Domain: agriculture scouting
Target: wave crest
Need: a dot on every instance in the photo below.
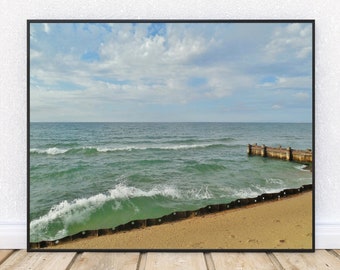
(49, 151)
(67, 214)
(106, 149)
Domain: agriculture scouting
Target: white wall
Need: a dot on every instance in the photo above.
(13, 16)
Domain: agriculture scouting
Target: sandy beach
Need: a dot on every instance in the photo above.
(283, 224)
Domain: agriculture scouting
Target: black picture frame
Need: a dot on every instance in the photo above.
(246, 202)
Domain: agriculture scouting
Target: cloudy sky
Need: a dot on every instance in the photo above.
(220, 72)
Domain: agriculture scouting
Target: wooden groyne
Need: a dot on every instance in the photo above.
(302, 156)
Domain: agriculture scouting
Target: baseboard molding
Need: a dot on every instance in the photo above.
(13, 236)
(327, 236)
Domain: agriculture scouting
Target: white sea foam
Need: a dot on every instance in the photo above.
(126, 148)
(245, 193)
(301, 167)
(200, 194)
(248, 192)
(185, 146)
(274, 181)
(60, 234)
(262, 189)
(49, 151)
(106, 149)
(153, 147)
(121, 191)
(305, 180)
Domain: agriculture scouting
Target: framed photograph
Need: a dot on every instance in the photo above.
(170, 135)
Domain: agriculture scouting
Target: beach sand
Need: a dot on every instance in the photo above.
(283, 224)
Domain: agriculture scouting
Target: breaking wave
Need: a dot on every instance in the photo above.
(68, 214)
(106, 149)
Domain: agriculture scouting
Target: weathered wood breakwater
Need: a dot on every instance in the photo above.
(302, 156)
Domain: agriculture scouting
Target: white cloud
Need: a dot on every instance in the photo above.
(283, 83)
(276, 107)
(294, 82)
(159, 68)
(34, 54)
(293, 39)
(304, 52)
(301, 95)
(181, 64)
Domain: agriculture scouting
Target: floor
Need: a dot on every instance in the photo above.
(20, 259)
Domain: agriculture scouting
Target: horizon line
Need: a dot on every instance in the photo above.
(259, 122)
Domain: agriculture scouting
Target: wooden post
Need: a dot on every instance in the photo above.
(249, 150)
(264, 151)
(289, 154)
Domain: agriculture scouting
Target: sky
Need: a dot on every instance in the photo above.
(171, 72)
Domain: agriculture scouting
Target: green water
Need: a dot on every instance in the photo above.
(100, 175)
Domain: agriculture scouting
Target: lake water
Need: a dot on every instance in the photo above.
(100, 175)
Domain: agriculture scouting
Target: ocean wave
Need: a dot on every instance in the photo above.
(227, 139)
(202, 193)
(231, 192)
(115, 149)
(188, 146)
(274, 181)
(197, 140)
(156, 147)
(78, 211)
(204, 167)
(49, 151)
(302, 167)
(107, 149)
(248, 192)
